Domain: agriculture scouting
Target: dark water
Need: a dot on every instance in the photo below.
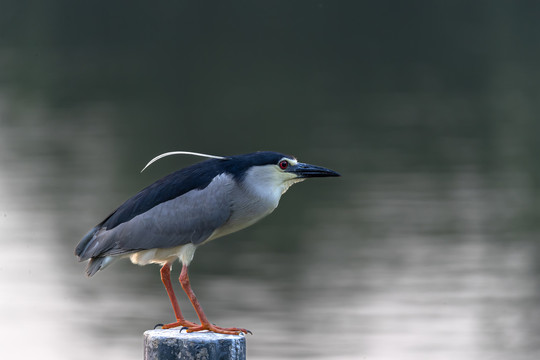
(426, 248)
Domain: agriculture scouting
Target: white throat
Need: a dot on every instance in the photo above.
(268, 183)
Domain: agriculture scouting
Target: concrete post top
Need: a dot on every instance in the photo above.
(176, 333)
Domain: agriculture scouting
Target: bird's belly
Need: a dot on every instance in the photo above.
(164, 256)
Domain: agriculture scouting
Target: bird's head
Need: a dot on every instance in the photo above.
(274, 171)
(263, 171)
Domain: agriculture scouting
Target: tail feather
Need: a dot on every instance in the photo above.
(85, 242)
(98, 263)
(86, 250)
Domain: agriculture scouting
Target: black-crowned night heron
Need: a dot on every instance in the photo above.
(169, 219)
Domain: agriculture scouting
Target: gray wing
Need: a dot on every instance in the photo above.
(189, 218)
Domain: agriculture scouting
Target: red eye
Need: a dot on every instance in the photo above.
(283, 164)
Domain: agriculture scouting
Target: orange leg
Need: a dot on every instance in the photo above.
(166, 279)
(205, 324)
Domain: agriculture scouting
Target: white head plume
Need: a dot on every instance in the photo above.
(181, 153)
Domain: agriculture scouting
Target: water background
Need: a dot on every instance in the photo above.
(426, 248)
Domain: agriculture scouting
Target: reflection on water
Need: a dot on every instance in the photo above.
(380, 266)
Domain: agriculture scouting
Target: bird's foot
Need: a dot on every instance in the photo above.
(180, 323)
(218, 329)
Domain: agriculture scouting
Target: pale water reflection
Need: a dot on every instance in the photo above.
(376, 266)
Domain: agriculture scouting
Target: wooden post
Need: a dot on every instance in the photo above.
(168, 344)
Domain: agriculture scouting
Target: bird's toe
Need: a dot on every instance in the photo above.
(219, 329)
(180, 323)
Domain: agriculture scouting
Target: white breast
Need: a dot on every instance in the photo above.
(256, 196)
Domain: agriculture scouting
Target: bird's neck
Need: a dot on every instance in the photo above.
(265, 184)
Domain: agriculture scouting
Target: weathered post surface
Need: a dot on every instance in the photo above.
(168, 344)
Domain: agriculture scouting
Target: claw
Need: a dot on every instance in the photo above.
(160, 325)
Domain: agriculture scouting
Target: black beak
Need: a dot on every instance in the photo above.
(308, 171)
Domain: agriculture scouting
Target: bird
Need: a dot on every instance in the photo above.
(169, 219)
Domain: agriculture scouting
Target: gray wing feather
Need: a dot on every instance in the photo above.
(189, 218)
